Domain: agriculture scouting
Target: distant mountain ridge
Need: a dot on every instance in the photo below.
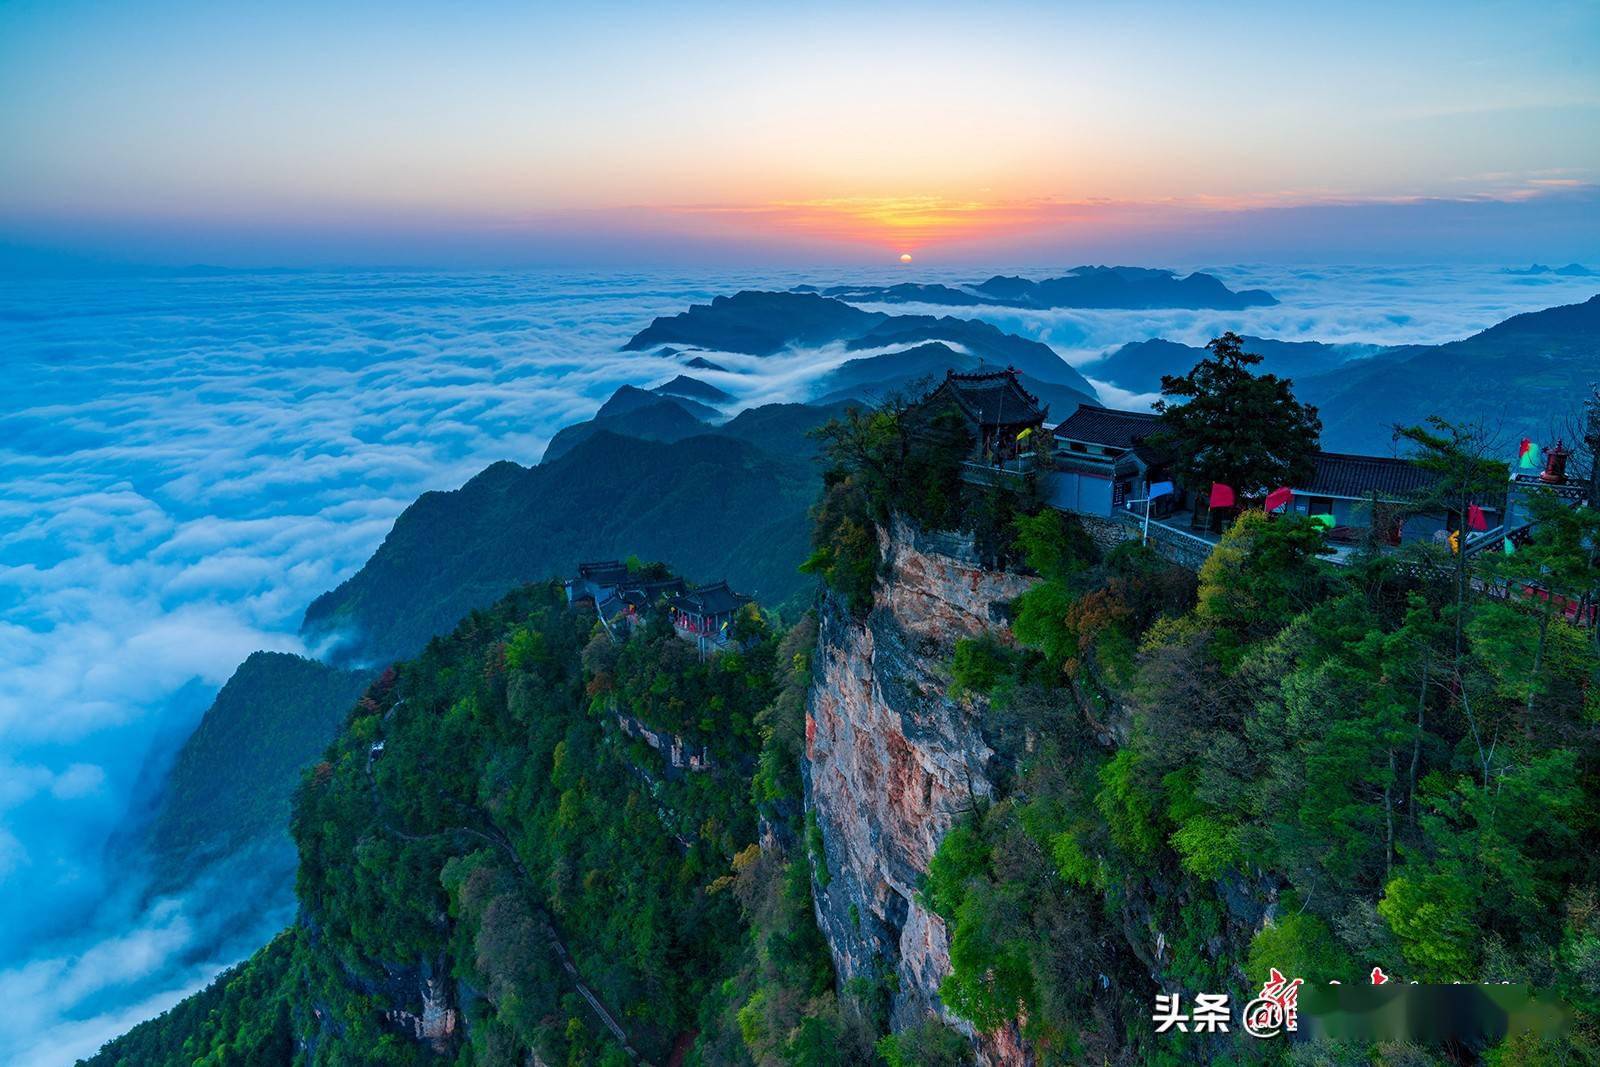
(757, 323)
(874, 377)
(766, 323)
(1522, 377)
(662, 419)
(1571, 270)
(693, 389)
(1138, 365)
(1081, 287)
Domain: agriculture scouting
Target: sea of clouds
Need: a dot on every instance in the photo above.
(188, 458)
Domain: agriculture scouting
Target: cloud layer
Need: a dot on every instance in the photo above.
(187, 459)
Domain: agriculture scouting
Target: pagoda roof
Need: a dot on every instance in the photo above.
(604, 572)
(996, 398)
(714, 599)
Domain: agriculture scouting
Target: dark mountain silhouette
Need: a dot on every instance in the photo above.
(1139, 365)
(1081, 287)
(767, 323)
(693, 389)
(758, 324)
(629, 399)
(910, 372)
(1571, 270)
(664, 419)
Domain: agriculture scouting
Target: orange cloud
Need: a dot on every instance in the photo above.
(911, 223)
(899, 223)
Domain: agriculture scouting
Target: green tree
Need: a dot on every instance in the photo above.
(1262, 573)
(903, 457)
(844, 537)
(1560, 563)
(928, 1044)
(1223, 423)
(1457, 455)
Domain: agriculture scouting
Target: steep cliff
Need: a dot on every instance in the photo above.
(892, 761)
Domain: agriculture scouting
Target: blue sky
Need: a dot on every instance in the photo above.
(700, 133)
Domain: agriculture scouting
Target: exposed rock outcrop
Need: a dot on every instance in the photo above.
(892, 761)
(434, 1021)
(680, 754)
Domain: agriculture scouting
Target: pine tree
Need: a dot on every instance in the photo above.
(1457, 454)
(1224, 423)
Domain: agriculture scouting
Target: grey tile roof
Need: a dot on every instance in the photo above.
(1108, 426)
(714, 599)
(1339, 474)
(1343, 474)
(604, 572)
(995, 399)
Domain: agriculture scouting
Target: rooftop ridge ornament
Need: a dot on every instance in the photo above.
(1008, 373)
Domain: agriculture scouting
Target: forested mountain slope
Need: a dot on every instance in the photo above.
(1524, 377)
(1015, 776)
(484, 817)
(728, 503)
(230, 786)
(1046, 776)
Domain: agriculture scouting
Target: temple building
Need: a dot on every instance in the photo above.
(1105, 464)
(1002, 417)
(619, 595)
(596, 580)
(705, 613)
(1103, 460)
(1365, 494)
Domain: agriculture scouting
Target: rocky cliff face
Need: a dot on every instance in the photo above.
(892, 761)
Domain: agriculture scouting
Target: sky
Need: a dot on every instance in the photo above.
(524, 134)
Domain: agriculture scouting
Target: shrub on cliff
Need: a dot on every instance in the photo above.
(928, 1044)
(883, 461)
(845, 551)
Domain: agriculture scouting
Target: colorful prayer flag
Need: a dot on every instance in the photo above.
(1324, 521)
(1510, 549)
(1455, 540)
(1279, 497)
(1221, 495)
(1160, 489)
(1530, 455)
(1475, 519)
